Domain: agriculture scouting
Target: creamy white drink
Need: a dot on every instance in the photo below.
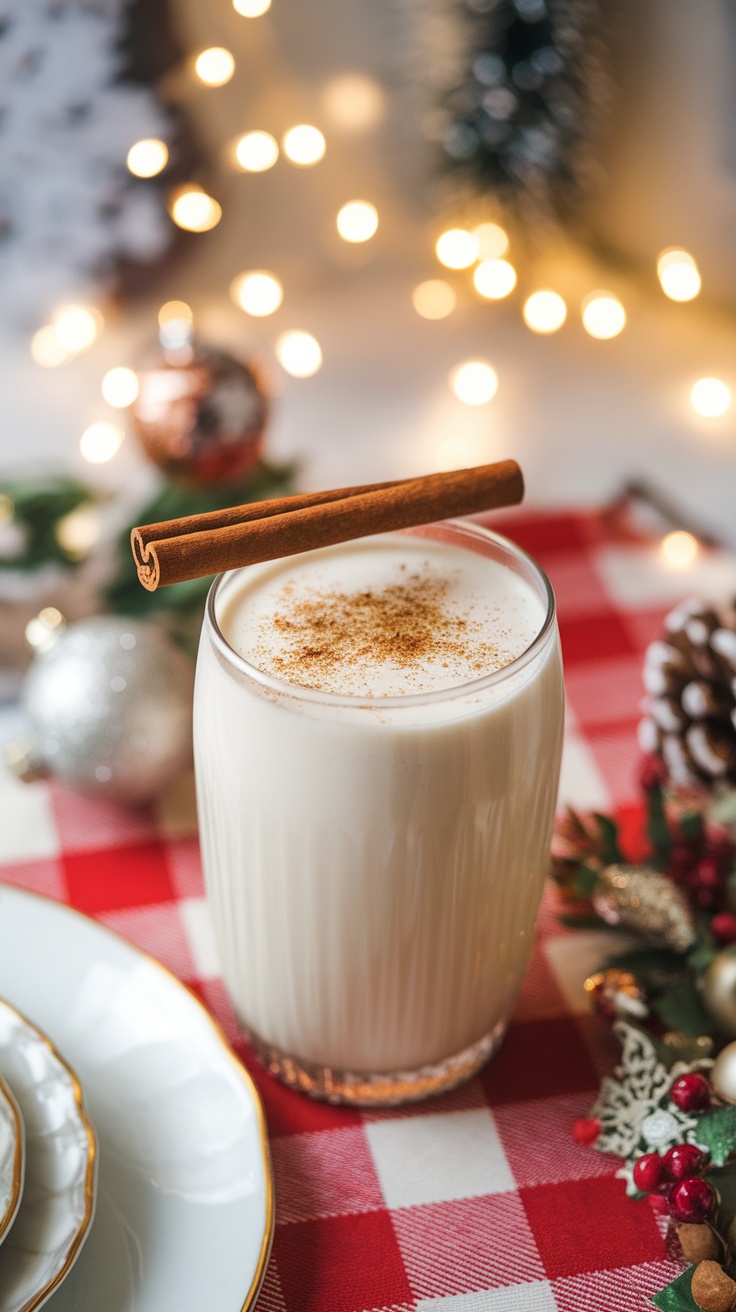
(377, 742)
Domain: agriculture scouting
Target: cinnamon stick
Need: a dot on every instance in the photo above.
(200, 545)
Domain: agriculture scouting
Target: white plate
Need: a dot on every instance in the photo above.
(184, 1206)
(57, 1206)
(12, 1158)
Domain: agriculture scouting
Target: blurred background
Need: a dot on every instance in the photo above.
(247, 246)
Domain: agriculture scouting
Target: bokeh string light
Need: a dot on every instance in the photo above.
(76, 327)
(257, 292)
(303, 145)
(193, 210)
(678, 275)
(679, 549)
(148, 157)
(100, 442)
(603, 315)
(47, 350)
(215, 66)
(475, 382)
(120, 387)
(492, 239)
(710, 397)
(299, 353)
(434, 299)
(544, 312)
(494, 279)
(251, 8)
(357, 221)
(178, 310)
(256, 151)
(354, 102)
(456, 248)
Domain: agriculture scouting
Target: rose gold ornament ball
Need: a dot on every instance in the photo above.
(200, 414)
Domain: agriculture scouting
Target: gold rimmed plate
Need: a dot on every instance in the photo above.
(55, 1212)
(184, 1210)
(12, 1158)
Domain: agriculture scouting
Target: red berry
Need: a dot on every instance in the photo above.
(586, 1130)
(691, 1200)
(683, 1160)
(723, 926)
(648, 1173)
(691, 1093)
(653, 772)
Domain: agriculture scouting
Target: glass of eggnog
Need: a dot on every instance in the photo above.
(377, 732)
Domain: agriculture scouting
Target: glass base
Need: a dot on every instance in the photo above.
(361, 1089)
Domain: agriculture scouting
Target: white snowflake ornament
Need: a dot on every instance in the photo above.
(635, 1110)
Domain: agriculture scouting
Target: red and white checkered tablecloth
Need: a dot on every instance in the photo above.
(479, 1201)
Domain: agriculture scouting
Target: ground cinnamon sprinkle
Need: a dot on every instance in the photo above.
(407, 625)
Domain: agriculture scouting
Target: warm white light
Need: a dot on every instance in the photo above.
(474, 382)
(47, 350)
(603, 315)
(120, 387)
(299, 354)
(493, 241)
(257, 293)
(42, 631)
(148, 157)
(79, 531)
(679, 549)
(100, 442)
(494, 279)
(710, 397)
(354, 102)
(215, 66)
(76, 326)
(256, 152)
(434, 299)
(544, 312)
(175, 310)
(304, 145)
(678, 274)
(457, 249)
(357, 221)
(251, 8)
(192, 209)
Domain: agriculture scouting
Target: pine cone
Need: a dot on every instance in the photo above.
(690, 707)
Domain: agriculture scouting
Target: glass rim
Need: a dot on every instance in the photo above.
(301, 693)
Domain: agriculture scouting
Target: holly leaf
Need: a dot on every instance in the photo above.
(691, 826)
(705, 945)
(658, 830)
(680, 1007)
(678, 1296)
(717, 1132)
(610, 852)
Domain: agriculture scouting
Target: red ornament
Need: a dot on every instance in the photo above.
(691, 1093)
(682, 1161)
(586, 1130)
(653, 773)
(723, 926)
(648, 1173)
(691, 1200)
(200, 415)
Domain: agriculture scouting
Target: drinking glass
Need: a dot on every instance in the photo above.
(374, 865)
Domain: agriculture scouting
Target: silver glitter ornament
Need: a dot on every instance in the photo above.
(719, 990)
(723, 1074)
(646, 901)
(110, 708)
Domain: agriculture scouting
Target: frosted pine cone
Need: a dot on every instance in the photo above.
(690, 707)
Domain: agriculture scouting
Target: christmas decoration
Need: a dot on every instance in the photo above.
(712, 1289)
(690, 718)
(109, 705)
(32, 520)
(641, 898)
(523, 91)
(70, 209)
(719, 990)
(635, 1110)
(200, 415)
(723, 1075)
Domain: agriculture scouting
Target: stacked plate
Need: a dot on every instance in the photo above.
(143, 1165)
